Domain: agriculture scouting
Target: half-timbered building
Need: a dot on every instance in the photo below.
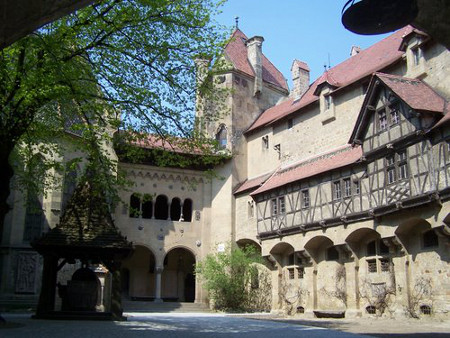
(342, 183)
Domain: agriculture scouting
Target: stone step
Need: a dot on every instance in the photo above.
(149, 306)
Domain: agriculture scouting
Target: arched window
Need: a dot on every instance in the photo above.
(70, 182)
(135, 205)
(161, 207)
(221, 137)
(147, 206)
(175, 209)
(34, 217)
(187, 210)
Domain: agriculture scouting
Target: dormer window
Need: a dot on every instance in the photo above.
(327, 102)
(416, 56)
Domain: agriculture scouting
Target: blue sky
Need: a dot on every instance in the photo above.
(308, 30)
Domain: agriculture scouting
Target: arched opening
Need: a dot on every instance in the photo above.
(175, 209)
(161, 207)
(70, 182)
(178, 279)
(147, 206)
(135, 205)
(187, 210)
(221, 136)
(141, 274)
(244, 242)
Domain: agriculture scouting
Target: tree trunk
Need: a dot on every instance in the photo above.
(6, 174)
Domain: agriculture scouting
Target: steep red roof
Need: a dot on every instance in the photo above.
(236, 52)
(416, 93)
(335, 159)
(366, 62)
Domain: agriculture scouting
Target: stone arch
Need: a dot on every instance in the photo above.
(317, 246)
(141, 266)
(243, 242)
(282, 252)
(410, 231)
(358, 239)
(221, 136)
(178, 278)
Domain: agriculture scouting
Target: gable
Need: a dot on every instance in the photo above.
(393, 109)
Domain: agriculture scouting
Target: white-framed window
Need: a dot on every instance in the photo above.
(337, 193)
(347, 187)
(396, 167)
(278, 205)
(382, 120)
(305, 199)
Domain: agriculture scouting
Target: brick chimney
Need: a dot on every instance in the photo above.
(300, 79)
(254, 54)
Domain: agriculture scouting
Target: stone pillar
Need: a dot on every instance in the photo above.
(158, 277)
(47, 296)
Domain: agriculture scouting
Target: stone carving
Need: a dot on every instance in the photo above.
(27, 265)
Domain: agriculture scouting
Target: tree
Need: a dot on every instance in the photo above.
(115, 64)
(230, 277)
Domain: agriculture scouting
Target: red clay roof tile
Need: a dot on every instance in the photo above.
(236, 52)
(335, 159)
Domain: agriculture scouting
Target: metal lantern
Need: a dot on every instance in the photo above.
(369, 17)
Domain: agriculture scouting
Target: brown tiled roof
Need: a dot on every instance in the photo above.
(365, 63)
(252, 183)
(446, 117)
(335, 159)
(86, 227)
(236, 53)
(414, 92)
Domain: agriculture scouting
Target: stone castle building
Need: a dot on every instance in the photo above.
(342, 183)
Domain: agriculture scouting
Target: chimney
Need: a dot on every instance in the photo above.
(254, 54)
(300, 79)
(355, 50)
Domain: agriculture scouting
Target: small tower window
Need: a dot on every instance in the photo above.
(221, 137)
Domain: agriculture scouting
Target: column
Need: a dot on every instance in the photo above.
(158, 275)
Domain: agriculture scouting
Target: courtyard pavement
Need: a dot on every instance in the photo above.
(186, 325)
(163, 325)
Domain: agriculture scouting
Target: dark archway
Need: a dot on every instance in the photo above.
(141, 274)
(187, 210)
(175, 209)
(178, 278)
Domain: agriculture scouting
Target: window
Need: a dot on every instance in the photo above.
(161, 207)
(356, 187)
(372, 310)
(291, 272)
(402, 165)
(221, 137)
(382, 120)
(135, 206)
(372, 265)
(396, 167)
(187, 210)
(274, 207)
(347, 187)
(290, 123)
(305, 199)
(251, 209)
(282, 205)
(416, 56)
(337, 190)
(372, 248)
(277, 148)
(394, 113)
(425, 309)
(430, 239)
(147, 206)
(385, 264)
(175, 209)
(327, 102)
(390, 168)
(278, 206)
(34, 218)
(301, 272)
(265, 142)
